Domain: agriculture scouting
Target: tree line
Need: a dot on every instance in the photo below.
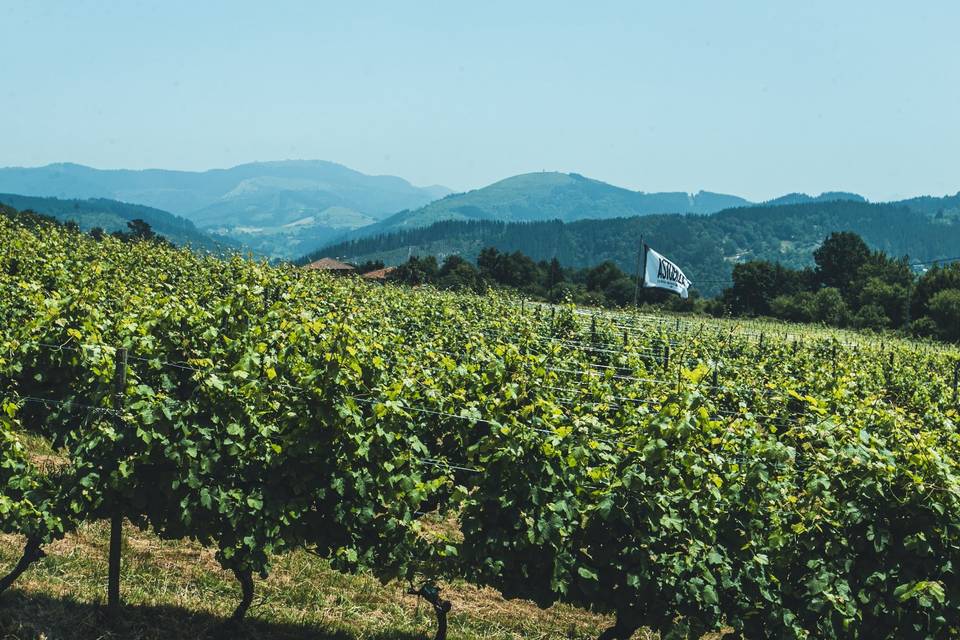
(604, 285)
(849, 286)
(706, 246)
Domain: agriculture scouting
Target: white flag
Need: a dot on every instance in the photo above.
(663, 274)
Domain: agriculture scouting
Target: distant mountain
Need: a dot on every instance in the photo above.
(706, 247)
(550, 196)
(802, 198)
(112, 215)
(290, 208)
(255, 203)
(943, 209)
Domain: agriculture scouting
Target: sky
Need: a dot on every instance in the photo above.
(754, 98)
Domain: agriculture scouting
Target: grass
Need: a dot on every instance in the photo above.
(176, 590)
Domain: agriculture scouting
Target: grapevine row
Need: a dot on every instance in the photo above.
(684, 480)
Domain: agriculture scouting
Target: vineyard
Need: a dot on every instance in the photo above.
(680, 476)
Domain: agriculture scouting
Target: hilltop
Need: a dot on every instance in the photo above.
(543, 196)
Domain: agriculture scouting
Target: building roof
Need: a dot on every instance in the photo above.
(329, 264)
(379, 274)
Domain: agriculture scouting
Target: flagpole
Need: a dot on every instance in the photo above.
(636, 288)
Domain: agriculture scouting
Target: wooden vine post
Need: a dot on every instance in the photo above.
(116, 519)
(956, 379)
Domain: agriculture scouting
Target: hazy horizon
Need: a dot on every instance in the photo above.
(749, 99)
(455, 191)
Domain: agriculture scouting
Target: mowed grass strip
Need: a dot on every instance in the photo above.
(177, 591)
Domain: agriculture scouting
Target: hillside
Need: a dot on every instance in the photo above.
(706, 246)
(112, 215)
(276, 208)
(551, 196)
(274, 441)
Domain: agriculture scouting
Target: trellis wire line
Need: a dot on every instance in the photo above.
(67, 403)
(784, 421)
(470, 419)
(286, 385)
(613, 317)
(586, 346)
(763, 393)
(796, 462)
(430, 461)
(569, 402)
(596, 365)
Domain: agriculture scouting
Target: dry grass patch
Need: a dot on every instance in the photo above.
(176, 590)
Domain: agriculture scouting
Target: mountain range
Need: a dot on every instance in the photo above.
(568, 197)
(278, 209)
(287, 208)
(294, 208)
(551, 196)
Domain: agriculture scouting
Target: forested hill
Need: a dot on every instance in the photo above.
(705, 246)
(111, 215)
(547, 195)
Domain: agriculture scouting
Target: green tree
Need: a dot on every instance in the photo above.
(140, 230)
(370, 265)
(871, 316)
(945, 311)
(417, 270)
(932, 282)
(798, 307)
(620, 292)
(512, 270)
(756, 284)
(564, 292)
(601, 276)
(888, 298)
(554, 274)
(829, 307)
(457, 273)
(839, 260)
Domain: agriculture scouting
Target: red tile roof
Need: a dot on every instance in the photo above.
(329, 264)
(379, 274)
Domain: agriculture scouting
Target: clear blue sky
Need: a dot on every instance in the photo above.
(755, 98)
